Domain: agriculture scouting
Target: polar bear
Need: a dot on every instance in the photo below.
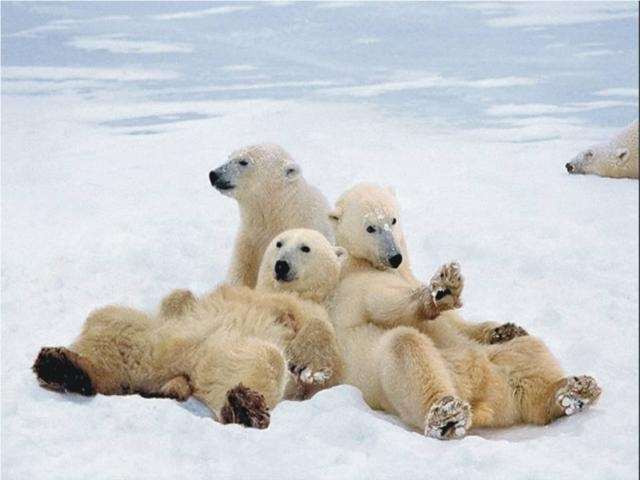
(273, 197)
(238, 350)
(430, 368)
(617, 158)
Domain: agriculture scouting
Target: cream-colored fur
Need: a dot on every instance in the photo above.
(232, 336)
(617, 158)
(273, 197)
(439, 375)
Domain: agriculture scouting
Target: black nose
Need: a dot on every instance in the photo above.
(213, 177)
(395, 261)
(282, 270)
(569, 167)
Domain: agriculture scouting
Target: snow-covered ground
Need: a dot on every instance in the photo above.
(106, 198)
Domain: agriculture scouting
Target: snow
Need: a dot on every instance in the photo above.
(91, 216)
(469, 111)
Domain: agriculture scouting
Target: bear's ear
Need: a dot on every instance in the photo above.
(292, 171)
(622, 155)
(341, 253)
(335, 215)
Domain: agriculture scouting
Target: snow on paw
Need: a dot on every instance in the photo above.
(577, 393)
(59, 369)
(245, 407)
(506, 332)
(446, 287)
(448, 418)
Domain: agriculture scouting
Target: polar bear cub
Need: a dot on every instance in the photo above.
(238, 350)
(273, 197)
(431, 369)
(617, 159)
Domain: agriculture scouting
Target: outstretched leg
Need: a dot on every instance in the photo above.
(240, 379)
(418, 385)
(542, 391)
(111, 356)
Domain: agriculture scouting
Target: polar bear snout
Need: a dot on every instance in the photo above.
(569, 167)
(282, 270)
(395, 260)
(219, 182)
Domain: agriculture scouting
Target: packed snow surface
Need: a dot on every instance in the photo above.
(106, 199)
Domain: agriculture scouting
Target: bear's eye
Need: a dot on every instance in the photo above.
(305, 249)
(279, 245)
(371, 229)
(244, 163)
(394, 221)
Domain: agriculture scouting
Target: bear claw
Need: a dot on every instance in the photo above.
(448, 418)
(577, 393)
(58, 369)
(245, 407)
(506, 332)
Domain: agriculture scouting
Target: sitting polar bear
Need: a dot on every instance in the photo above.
(231, 349)
(436, 372)
(273, 197)
(616, 159)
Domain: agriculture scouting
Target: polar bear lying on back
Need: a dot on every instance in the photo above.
(236, 349)
(273, 197)
(616, 159)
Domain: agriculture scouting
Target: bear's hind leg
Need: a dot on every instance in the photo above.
(419, 386)
(240, 379)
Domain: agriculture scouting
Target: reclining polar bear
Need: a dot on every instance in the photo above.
(233, 349)
(441, 376)
(617, 159)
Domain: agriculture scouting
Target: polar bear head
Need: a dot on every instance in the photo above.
(302, 261)
(598, 158)
(255, 173)
(366, 222)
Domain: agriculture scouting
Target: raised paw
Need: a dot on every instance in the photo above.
(246, 407)
(506, 332)
(60, 369)
(448, 418)
(444, 289)
(577, 393)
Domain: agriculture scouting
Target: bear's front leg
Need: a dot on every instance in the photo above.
(314, 359)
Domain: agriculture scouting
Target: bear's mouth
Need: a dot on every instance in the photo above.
(224, 186)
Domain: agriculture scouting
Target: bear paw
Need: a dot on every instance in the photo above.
(58, 368)
(445, 288)
(246, 407)
(309, 381)
(506, 332)
(448, 418)
(577, 393)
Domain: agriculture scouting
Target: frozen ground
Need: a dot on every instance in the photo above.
(105, 198)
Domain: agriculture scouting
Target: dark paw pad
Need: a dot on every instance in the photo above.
(506, 332)
(246, 407)
(58, 369)
(440, 294)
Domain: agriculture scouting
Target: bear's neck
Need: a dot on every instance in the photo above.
(266, 210)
